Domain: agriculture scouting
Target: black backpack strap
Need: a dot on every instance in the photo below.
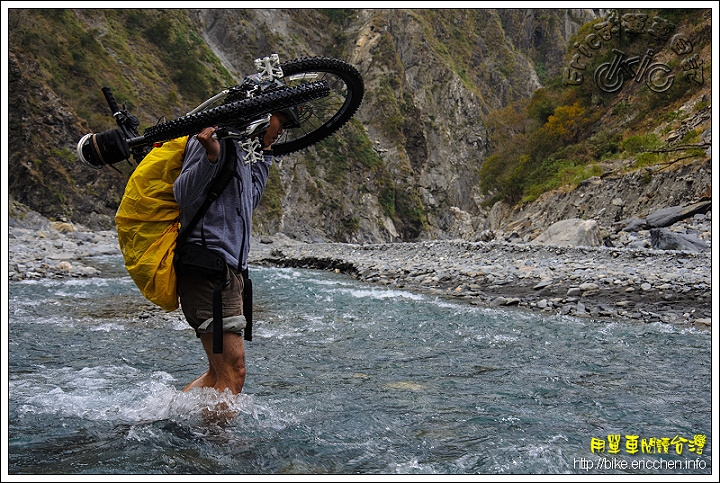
(218, 318)
(247, 304)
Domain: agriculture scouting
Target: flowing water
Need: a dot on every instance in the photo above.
(348, 378)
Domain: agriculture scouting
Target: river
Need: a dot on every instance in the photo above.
(348, 378)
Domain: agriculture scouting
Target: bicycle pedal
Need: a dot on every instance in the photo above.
(253, 151)
(269, 67)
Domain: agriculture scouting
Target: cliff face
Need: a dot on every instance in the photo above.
(432, 77)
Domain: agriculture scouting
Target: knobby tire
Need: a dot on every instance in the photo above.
(238, 112)
(320, 118)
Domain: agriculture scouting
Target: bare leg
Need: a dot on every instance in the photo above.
(226, 370)
(229, 366)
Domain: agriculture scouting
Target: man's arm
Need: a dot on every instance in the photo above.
(196, 174)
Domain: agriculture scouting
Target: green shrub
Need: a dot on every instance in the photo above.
(640, 143)
(621, 108)
(542, 105)
(692, 136)
(604, 144)
(270, 207)
(647, 159)
(386, 196)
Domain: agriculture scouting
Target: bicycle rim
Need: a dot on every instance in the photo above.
(321, 117)
(236, 113)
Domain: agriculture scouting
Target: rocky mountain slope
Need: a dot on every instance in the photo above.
(432, 79)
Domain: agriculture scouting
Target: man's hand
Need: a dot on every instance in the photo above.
(211, 145)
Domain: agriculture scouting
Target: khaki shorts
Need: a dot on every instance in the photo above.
(196, 300)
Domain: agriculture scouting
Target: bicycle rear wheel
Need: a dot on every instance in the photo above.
(236, 113)
(321, 117)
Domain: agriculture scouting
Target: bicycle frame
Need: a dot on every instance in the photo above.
(267, 77)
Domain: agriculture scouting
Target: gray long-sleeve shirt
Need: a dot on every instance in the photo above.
(227, 224)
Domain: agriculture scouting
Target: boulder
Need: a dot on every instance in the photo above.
(571, 232)
(667, 216)
(664, 239)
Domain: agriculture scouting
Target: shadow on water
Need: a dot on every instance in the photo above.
(344, 378)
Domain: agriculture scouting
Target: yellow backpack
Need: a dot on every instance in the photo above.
(147, 223)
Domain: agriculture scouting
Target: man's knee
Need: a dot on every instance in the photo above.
(240, 371)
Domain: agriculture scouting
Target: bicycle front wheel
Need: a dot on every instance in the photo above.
(236, 113)
(321, 117)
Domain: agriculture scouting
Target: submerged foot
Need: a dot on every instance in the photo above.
(219, 413)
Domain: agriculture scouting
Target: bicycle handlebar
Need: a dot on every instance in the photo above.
(114, 145)
(111, 101)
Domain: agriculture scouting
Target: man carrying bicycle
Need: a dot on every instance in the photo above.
(225, 230)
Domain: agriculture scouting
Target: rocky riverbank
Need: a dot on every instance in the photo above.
(599, 282)
(619, 282)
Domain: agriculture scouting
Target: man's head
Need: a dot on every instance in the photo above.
(278, 121)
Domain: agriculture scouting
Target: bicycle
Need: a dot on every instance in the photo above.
(322, 92)
(610, 76)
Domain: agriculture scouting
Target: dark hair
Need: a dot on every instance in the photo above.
(292, 117)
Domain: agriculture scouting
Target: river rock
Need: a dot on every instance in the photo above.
(632, 224)
(571, 232)
(664, 239)
(672, 214)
